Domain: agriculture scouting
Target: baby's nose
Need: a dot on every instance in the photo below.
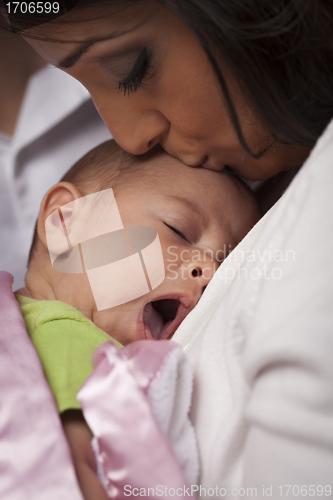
(201, 273)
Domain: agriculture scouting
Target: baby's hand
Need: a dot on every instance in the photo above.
(79, 438)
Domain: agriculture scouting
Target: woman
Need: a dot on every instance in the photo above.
(246, 85)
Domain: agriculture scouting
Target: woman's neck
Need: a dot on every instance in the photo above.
(18, 61)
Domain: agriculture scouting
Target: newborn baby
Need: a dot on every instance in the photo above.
(199, 215)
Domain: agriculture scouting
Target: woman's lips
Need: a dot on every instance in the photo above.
(208, 164)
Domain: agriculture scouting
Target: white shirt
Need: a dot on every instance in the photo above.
(261, 345)
(58, 124)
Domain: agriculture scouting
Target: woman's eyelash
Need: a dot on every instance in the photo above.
(139, 71)
(177, 232)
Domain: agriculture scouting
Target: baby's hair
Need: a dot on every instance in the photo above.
(109, 166)
(102, 167)
(105, 166)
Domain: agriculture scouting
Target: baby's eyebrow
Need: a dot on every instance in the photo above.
(193, 207)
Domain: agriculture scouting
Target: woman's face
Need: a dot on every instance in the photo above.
(152, 83)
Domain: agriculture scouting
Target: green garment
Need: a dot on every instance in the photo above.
(65, 341)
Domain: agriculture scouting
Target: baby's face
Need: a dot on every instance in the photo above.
(199, 215)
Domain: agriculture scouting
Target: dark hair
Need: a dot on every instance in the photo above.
(280, 52)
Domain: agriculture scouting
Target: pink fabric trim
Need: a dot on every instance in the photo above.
(134, 452)
(35, 462)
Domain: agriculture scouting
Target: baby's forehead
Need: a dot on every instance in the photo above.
(169, 173)
(166, 170)
(211, 191)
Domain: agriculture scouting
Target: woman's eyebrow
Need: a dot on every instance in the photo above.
(74, 56)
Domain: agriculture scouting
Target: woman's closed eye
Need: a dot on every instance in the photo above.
(139, 71)
(129, 68)
(179, 233)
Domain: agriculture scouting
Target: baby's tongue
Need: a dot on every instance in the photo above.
(153, 320)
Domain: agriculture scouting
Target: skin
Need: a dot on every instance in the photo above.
(162, 193)
(79, 439)
(159, 194)
(179, 103)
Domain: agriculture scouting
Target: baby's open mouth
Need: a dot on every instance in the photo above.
(159, 317)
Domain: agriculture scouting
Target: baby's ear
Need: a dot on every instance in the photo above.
(52, 222)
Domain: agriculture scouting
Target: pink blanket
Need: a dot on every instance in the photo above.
(35, 461)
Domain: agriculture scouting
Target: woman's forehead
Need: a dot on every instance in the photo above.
(67, 37)
(103, 18)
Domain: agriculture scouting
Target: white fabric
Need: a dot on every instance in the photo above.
(5, 142)
(170, 399)
(58, 124)
(262, 346)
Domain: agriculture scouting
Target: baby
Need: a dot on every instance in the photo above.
(199, 216)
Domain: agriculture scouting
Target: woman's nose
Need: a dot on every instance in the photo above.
(138, 134)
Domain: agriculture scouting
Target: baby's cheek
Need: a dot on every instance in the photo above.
(119, 322)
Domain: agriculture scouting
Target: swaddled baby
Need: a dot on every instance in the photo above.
(199, 216)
